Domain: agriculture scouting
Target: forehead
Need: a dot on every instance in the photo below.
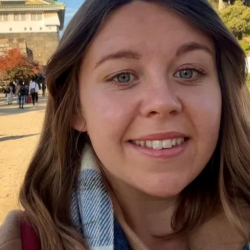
(147, 28)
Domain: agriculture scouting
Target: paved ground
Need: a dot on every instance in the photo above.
(19, 133)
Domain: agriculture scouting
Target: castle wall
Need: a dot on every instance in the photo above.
(42, 45)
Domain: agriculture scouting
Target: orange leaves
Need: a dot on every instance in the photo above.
(12, 58)
(13, 62)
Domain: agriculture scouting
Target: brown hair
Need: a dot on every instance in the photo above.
(52, 174)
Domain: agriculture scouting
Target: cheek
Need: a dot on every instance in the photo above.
(107, 114)
(204, 110)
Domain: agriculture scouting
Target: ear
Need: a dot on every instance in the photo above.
(79, 123)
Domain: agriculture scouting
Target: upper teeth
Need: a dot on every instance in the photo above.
(160, 144)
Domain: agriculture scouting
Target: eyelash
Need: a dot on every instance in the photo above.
(199, 71)
(111, 79)
(193, 68)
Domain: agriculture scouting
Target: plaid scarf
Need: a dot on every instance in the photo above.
(93, 213)
(92, 209)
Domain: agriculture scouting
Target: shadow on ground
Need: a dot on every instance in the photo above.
(13, 109)
(16, 110)
(16, 137)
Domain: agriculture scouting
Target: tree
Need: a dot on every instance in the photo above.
(237, 18)
(14, 65)
(222, 4)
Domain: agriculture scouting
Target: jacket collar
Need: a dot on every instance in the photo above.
(217, 233)
(10, 235)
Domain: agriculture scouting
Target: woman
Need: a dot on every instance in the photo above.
(21, 92)
(145, 143)
(9, 91)
(34, 90)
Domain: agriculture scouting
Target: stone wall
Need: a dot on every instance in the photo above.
(41, 45)
(7, 44)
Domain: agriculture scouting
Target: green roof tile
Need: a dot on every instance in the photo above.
(30, 6)
(51, 4)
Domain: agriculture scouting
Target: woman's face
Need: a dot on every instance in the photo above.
(151, 100)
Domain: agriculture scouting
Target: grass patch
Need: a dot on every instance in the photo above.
(248, 81)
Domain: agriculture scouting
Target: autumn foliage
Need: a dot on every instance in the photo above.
(14, 64)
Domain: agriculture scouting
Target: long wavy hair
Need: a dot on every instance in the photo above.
(52, 174)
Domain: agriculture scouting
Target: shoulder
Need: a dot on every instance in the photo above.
(10, 235)
(218, 233)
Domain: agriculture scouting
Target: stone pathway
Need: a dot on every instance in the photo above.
(19, 134)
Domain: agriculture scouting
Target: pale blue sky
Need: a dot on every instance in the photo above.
(71, 7)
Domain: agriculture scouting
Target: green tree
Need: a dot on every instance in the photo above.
(222, 4)
(237, 18)
(245, 45)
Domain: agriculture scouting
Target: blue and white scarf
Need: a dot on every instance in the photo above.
(92, 206)
(92, 209)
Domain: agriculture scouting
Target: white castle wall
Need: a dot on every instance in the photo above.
(248, 63)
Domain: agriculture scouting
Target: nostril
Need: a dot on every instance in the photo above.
(152, 113)
(174, 112)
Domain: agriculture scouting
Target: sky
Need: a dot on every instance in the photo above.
(71, 8)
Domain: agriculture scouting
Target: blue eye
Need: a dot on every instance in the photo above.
(186, 74)
(124, 77)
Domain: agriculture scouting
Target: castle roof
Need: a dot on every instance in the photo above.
(12, 6)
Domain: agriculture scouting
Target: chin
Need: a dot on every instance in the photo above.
(169, 190)
(163, 185)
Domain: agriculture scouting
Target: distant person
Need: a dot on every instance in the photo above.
(9, 91)
(27, 93)
(44, 88)
(33, 90)
(5, 91)
(14, 85)
(22, 92)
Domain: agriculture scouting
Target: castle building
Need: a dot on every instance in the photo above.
(38, 22)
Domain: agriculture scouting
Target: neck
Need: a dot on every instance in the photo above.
(149, 217)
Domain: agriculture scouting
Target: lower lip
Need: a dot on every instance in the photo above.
(163, 153)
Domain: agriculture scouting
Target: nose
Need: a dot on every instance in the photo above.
(161, 100)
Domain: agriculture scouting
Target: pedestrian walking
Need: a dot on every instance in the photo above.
(21, 94)
(44, 88)
(27, 93)
(34, 90)
(9, 91)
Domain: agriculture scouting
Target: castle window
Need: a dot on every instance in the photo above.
(23, 17)
(19, 17)
(16, 17)
(36, 16)
(3, 17)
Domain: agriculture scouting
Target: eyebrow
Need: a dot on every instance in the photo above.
(189, 47)
(129, 54)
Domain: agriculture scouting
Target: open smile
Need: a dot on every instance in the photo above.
(160, 144)
(163, 146)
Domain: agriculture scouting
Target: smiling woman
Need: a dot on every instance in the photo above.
(145, 143)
